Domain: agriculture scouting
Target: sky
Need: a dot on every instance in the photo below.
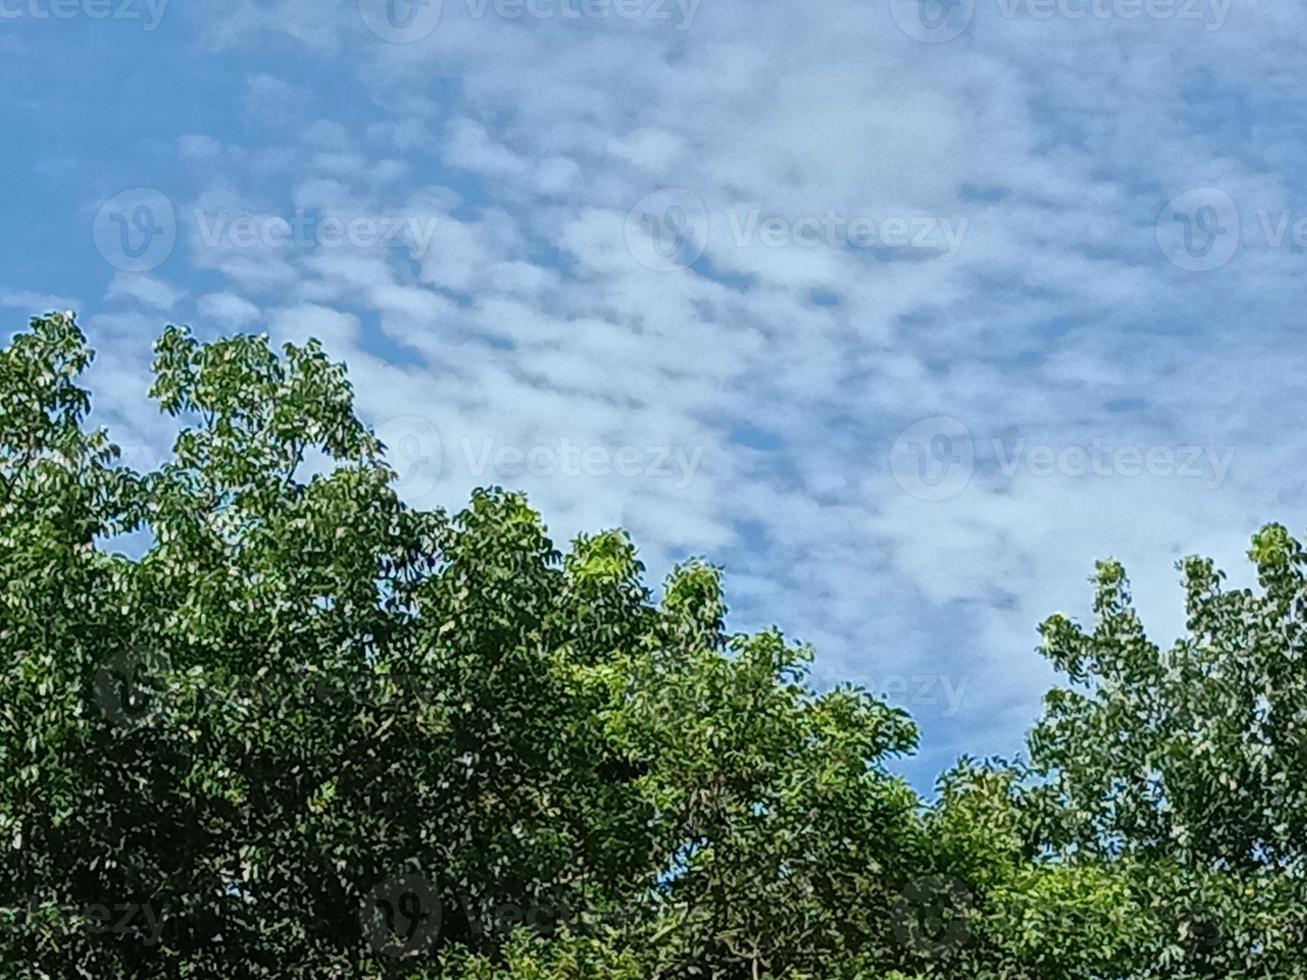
(903, 311)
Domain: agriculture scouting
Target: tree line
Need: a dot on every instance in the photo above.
(311, 731)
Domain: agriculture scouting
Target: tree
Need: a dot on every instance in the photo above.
(302, 698)
(311, 731)
(1186, 769)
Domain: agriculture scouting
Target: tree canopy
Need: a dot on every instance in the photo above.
(310, 731)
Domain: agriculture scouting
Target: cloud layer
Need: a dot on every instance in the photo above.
(904, 312)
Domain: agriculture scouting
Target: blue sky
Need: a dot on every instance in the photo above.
(905, 312)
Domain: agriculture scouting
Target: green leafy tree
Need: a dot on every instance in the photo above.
(310, 731)
(301, 694)
(1185, 769)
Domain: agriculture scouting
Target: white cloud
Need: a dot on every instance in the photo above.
(147, 290)
(34, 304)
(227, 311)
(528, 321)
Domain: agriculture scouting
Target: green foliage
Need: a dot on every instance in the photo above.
(1187, 767)
(311, 731)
